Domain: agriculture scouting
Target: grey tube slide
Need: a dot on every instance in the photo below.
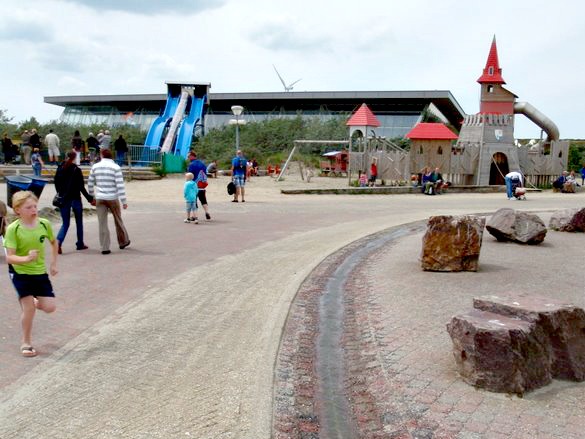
(539, 119)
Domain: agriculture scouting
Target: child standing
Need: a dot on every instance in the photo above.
(25, 253)
(190, 193)
(36, 162)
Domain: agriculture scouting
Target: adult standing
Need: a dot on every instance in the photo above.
(199, 171)
(93, 146)
(106, 185)
(69, 185)
(26, 149)
(105, 140)
(35, 140)
(582, 175)
(121, 148)
(239, 165)
(7, 149)
(53, 142)
(77, 145)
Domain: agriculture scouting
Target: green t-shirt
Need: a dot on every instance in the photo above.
(23, 239)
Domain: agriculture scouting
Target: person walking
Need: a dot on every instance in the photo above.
(239, 168)
(52, 142)
(199, 171)
(105, 140)
(106, 185)
(69, 185)
(24, 241)
(190, 194)
(121, 148)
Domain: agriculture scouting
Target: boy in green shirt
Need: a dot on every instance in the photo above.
(25, 253)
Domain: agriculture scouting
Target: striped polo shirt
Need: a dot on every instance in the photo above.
(106, 181)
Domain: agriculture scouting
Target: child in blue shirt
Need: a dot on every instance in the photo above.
(190, 193)
(36, 162)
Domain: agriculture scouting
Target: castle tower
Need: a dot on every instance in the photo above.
(491, 131)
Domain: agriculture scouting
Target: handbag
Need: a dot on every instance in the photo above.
(58, 200)
(201, 184)
(231, 188)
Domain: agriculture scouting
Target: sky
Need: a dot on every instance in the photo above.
(95, 47)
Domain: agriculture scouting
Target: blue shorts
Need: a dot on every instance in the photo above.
(190, 205)
(239, 180)
(37, 285)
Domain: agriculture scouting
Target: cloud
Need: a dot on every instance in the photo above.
(273, 36)
(146, 7)
(20, 29)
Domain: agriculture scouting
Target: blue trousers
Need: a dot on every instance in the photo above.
(77, 207)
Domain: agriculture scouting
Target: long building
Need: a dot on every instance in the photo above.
(398, 111)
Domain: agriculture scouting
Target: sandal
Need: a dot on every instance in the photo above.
(28, 351)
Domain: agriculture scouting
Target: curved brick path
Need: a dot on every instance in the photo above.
(177, 336)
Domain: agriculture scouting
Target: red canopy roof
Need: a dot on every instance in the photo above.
(431, 131)
(492, 72)
(363, 117)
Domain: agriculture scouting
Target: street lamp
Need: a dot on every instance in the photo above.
(237, 110)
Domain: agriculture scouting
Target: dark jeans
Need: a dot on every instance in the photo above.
(120, 158)
(66, 217)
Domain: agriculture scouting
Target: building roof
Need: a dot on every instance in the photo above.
(363, 117)
(492, 73)
(380, 102)
(431, 131)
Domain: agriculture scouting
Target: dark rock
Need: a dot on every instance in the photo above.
(510, 225)
(452, 243)
(559, 326)
(498, 353)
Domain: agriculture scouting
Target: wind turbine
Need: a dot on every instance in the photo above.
(289, 87)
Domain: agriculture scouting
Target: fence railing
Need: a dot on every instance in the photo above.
(141, 155)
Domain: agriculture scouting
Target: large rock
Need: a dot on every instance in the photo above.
(510, 225)
(561, 218)
(498, 353)
(559, 326)
(452, 243)
(568, 220)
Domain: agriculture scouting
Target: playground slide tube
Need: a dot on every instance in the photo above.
(177, 117)
(539, 119)
(186, 130)
(154, 136)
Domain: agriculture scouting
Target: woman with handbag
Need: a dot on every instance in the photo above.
(69, 185)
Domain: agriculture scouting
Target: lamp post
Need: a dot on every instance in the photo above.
(237, 110)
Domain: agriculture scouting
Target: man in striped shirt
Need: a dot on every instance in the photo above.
(106, 185)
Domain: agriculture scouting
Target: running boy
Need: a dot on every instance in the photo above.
(25, 253)
(190, 193)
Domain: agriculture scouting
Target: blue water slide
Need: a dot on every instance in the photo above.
(185, 134)
(155, 133)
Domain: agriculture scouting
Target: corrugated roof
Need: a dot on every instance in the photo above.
(492, 72)
(363, 117)
(431, 131)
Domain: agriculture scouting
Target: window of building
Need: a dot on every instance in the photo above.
(490, 88)
(440, 150)
(491, 70)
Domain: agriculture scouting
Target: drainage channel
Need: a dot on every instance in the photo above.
(335, 417)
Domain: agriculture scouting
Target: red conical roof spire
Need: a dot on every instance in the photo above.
(492, 72)
(363, 117)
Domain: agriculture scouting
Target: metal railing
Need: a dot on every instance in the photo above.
(141, 155)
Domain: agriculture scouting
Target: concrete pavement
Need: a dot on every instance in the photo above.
(177, 335)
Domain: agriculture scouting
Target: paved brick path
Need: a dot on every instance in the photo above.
(177, 335)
